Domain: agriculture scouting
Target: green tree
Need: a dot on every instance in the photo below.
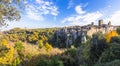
(118, 30)
(98, 44)
(50, 62)
(115, 39)
(16, 62)
(112, 63)
(10, 10)
(20, 49)
(111, 53)
(40, 43)
(19, 46)
(70, 57)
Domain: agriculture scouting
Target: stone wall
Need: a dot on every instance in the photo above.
(70, 34)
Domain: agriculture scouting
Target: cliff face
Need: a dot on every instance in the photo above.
(71, 34)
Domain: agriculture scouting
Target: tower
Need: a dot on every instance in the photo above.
(109, 23)
(92, 23)
(101, 22)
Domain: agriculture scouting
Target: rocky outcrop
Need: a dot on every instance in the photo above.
(68, 35)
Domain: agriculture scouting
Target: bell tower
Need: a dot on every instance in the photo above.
(100, 23)
(109, 23)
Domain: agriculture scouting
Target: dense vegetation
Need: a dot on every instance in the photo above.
(36, 47)
(33, 47)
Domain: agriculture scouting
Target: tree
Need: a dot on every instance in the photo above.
(40, 43)
(50, 62)
(98, 44)
(44, 38)
(19, 46)
(70, 57)
(118, 30)
(6, 53)
(4, 42)
(16, 62)
(32, 38)
(111, 53)
(20, 50)
(91, 51)
(10, 10)
(48, 47)
(115, 39)
(110, 35)
(112, 63)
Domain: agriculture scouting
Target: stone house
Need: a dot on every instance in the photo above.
(70, 34)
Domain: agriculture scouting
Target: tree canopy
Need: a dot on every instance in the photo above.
(10, 10)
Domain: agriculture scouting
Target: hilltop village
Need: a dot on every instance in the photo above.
(72, 46)
(63, 37)
(68, 35)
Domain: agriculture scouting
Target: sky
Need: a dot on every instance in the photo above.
(59, 13)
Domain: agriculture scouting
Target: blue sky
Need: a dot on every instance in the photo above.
(58, 13)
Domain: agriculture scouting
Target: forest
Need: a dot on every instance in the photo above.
(33, 47)
(36, 47)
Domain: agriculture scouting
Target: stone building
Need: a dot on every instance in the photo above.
(70, 34)
(101, 22)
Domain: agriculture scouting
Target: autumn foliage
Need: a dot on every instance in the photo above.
(32, 48)
(110, 35)
(6, 53)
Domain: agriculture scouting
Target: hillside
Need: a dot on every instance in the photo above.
(38, 47)
(59, 33)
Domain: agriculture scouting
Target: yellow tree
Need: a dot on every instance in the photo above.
(110, 35)
(6, 53)
(44, 38)
(48, 47)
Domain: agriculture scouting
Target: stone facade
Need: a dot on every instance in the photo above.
(70, 34)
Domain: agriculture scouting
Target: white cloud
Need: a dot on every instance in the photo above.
(35, 16)
(39, 8)
(114, 18)
(90, 17)
(79, 10)
(82, 18)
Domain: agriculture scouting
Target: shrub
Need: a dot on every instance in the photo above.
(70, 57)
(30, 51)
(40, 43)
(112, 63)
(32, 38)
(48, 47)
(115, 39)
(43, 62)
(6, 53)
(50, 62)
(56, 62)
(19, 46)
(4, 42)
(16, 62)
(110, 54)
(8, 57)
(118, 30)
